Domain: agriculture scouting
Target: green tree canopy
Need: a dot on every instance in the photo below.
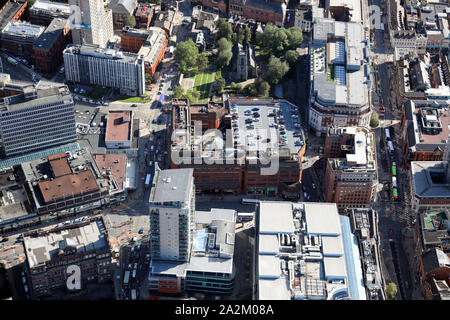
(224, 29)
(224, 44)
(178, 92)
(391, 290)
(276, 69)
(202, 62)
(130, 21)
(263, 88)
(291, 57)
(247, 35)
(186, 54)
(219, 85)
(195, 94)
(295, 37)
(224, 58)
(374, 122)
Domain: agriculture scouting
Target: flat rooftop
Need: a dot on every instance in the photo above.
(51, 6)
(431, 179)
(50, 34)
(101, 53)
(171, 185)
(308, 253)
(119, 126)
(88, 238)
(23, 29)
(117, 163)
(276, 120)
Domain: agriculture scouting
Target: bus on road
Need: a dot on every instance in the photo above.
(394, 194)
(250, 201)
(394, 171)
(133, 294)
(147, 180)
(13, 61)
(126, 277)
(243, 217)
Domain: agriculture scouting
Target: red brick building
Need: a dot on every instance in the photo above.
(350, 179)
(217, 6)
(12, 11)
(229, 168)
(270, 11)
(143, 16)
(50, 45)
(149, 43)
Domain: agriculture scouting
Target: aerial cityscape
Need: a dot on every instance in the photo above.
(224, 150)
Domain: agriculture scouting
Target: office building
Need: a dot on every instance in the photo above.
(67, 183)
(50, 253)
(339, 76)
(94, 25)
(37, 119)
(430, 185)
(258, 149)
(425, 131)
(149, 44)
(19, 37)
(211, 268)
(350, 180)
(306, 251)
(48, 49)
(43, 12)
(171, 206)
(90, 64)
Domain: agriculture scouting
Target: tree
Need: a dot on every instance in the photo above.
(186, 54)
(391, 290)
(129, 21)
(263, 89)
(224, 44)
(178, 92)
(219, 85)
(97, 91)
(195, 94)
(188, 96)
(202, 62)
(291, 57)
(247, 35)
(276, 69)
(295, 37)
(374, 122)
(224, 29)
(240, 36)
(223, 59)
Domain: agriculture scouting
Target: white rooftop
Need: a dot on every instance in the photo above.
(269, 267)
(359, 157)
(268, 244)
(322, 218)
(273, 289)
(276, 217)
(332, 246)
(335, 267)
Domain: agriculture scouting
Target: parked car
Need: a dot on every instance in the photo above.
(141, 230)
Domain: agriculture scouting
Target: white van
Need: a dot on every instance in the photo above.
(134, 273)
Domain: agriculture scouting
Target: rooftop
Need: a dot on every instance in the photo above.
(114, 164)
(9, 11)
(122, 6)
(345, 87)
(431, 179)
(119, 126)
(52, 7)
(307, 253)
(23, 29)
(87, 238)
(171, 185)
(50, 34)
(101, 53)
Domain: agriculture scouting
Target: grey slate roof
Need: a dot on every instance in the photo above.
(122, 6)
